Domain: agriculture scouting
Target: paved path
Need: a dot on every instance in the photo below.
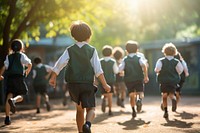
(150, 120)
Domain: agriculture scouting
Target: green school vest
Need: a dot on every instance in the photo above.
(40, 76)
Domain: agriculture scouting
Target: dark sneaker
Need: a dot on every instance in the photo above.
(122, 104)
(161, 106)
(103, 105)
(48, 106)
(166, 115)
(118, 101)
(174, 105)
(110, 113)
(7, 120)
(12, 106)
(38, 111)
(86, 129)
(139, 105)
(133, 114)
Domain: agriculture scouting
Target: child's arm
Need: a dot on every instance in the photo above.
(27, 71)
(185, 68)
(52, 80)
(1, 73)
(104, 83)
(145, 71)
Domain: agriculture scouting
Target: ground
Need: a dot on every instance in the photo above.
(62, 119)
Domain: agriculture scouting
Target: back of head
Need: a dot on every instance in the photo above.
(169, 49)
(131, 46)
(118, 53)
(80, 31)
(107, 50)
(16, 45)
(37, 60)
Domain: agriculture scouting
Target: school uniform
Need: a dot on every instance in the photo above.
(110, 68)
(169, 70)
(133, 73)
(83, 64)
(15, 73)
(39, 78)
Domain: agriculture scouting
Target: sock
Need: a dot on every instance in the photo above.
(133, 109)
(88, 123)
(165, 109)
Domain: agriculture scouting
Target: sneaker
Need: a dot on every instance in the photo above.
(118, 101)
(161, 106)
(122, 104)
(174, 105)
(139, 105)
(12, 105)
(38, 110)
(7, 120)
(86, 129)
(166, 115)
(133, 114)
(48, 106)
(103, 105)
(110, 113)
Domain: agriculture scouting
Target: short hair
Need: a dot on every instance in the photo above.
(169, 49)
(107, 50)
(80, 31)
(17, 45)
(118, 53)
(37, 60)
(131, 46)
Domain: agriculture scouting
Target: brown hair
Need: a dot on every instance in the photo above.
(131, 46)
(107, 50)
(169, 49)
(118, 53)
(80, 31)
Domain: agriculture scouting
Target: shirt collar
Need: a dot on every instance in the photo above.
(81, 44)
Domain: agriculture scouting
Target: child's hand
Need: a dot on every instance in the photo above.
(107, 87)
(52, 82)
(1, 78)
(146, 79)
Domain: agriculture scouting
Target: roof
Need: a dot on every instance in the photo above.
(58, 41)
(178, 43)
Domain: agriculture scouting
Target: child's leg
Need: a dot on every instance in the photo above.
(7, 106)
(164, 99)
(38, 100)
(79, 117)
(90, 114)
(174, 104)
(110, 102)
(103, 104)
(178, 96)
(18, 99)
(46, 97)
(132, 96)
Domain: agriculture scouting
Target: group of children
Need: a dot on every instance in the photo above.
(82, 65)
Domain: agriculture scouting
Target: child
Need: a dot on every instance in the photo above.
(168, 71)
(120, 86)
(41, 74)
(14, 67)
(184, 74)
(110, 68)
(82, 65)
(135, 73)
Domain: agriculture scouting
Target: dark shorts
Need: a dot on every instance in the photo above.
(16, 85)
(168, 88)
(120, 87)
(103, 90)
(40, 89)
(136, 86)
(83, 93)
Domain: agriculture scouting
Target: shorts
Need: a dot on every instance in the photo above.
(16, 85)
(120, 87)
(136, 86)
(168, 88)
(83, 93)
(103, 90)
(40, 89)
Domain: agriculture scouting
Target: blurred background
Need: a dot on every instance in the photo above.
(43, 25)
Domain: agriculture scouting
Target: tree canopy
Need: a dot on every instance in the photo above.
(113, 21)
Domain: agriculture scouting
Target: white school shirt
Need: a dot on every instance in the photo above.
(141, 61)
(158, 67)
(24, 60)
(64, 58)
(115, 67)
